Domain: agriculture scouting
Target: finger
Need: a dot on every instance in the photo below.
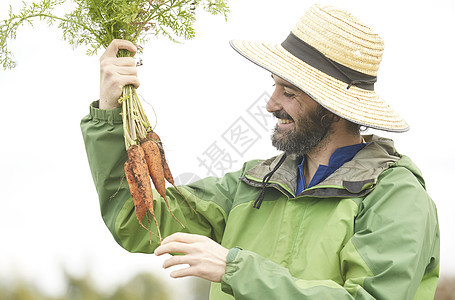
(178, 260)
(190, 271)
(174, 247)
(124, 62)
(183, 238)
(116, 45)
(126, 70)
(114, 72)
(126, 80)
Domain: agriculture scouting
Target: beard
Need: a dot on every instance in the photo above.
(309, 133)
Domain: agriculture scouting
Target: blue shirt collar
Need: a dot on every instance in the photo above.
(338, 158)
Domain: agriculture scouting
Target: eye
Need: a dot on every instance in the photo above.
(288, 95)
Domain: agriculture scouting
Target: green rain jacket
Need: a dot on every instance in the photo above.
(369, 231)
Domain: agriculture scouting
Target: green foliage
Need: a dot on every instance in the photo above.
(9, 27)
(95, 23)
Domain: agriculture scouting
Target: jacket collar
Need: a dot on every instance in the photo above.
(355, 178)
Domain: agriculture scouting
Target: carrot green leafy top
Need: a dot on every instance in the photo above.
(95, 23)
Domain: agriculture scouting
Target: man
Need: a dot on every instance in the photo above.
(336, 216)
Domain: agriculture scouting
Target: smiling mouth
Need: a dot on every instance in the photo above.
(283, 117)
(285, 121)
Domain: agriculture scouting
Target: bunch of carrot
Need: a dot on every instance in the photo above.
(146, 160)
(96, 23)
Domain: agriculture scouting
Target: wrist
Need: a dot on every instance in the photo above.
(103, 104)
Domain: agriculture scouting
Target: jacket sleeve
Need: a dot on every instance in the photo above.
(103, 137)
(393, 254)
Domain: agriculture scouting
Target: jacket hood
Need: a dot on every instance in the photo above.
(355, 178)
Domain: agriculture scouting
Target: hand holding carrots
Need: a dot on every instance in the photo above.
(146, 159)
(116, 72)
(207, 258)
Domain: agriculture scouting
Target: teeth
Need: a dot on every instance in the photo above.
(284, 121)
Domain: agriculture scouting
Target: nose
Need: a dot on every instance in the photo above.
(274, 103)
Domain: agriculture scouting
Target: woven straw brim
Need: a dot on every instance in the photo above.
(357, 105)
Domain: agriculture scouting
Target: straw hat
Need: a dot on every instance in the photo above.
(334, 58)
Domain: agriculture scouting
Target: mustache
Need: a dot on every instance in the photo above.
(282, 115)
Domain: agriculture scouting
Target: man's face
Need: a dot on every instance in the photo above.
(302, 122)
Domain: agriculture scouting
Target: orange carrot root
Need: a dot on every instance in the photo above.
(153, 159)
(152, 135)
(139, 204)
(139, 182)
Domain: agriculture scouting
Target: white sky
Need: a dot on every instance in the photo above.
(50, 216)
